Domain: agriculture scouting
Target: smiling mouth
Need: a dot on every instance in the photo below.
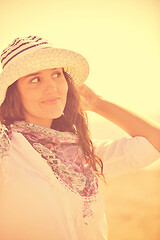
(51, 101)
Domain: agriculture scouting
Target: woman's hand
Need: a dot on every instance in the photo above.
(89, 98)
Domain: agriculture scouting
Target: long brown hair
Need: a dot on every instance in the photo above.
(74, 120)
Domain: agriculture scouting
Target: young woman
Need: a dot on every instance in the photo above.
(49, 167)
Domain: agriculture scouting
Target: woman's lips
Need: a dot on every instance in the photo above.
(51, 101)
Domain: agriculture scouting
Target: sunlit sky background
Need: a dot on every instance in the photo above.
(119, 38)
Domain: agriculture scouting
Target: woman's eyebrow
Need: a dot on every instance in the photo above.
(36, 73)
(33, 74)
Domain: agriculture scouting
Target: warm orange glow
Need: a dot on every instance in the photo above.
(120, 39)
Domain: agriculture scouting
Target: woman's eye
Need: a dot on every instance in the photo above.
(56, 75)
(35, 80)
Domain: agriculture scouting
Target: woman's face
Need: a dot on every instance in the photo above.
(43, 95)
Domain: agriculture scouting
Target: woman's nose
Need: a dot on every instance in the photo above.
(50, 85)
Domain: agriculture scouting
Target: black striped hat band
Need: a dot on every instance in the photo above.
(19, 46)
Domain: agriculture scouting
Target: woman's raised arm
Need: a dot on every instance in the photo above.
(130, 122)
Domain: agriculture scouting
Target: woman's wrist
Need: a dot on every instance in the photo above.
(96, 104)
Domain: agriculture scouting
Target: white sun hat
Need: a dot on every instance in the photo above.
(31, 54)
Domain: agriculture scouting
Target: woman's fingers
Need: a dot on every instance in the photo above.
(88, 97)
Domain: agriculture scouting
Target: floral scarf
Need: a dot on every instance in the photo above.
(62, 152)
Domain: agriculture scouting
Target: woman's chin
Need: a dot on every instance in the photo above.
(55, 116)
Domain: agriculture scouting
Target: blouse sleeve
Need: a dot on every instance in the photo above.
(125, 155)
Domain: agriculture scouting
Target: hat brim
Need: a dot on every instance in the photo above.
(73, 63)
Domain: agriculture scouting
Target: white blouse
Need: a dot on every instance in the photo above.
(34, 205)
